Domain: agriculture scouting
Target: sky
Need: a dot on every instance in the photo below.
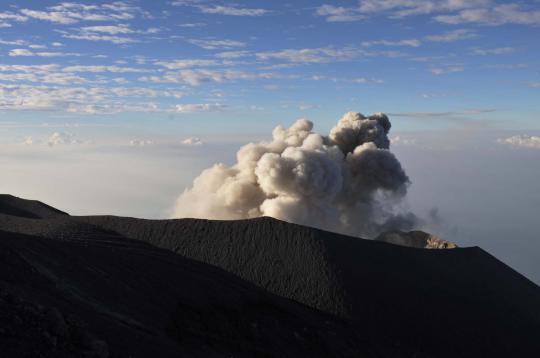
(115, 107)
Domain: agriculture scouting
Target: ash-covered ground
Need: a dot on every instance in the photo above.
(108, 286)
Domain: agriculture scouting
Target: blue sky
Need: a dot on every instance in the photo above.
(114, 107)
(258, 62)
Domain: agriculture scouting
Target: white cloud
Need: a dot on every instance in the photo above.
(494, 15)
(197, 77)
(493, 51)
(27, 53)
(140, 142)
(111, 29)
(192, 24)
(67, 13)
(222, 9)
(339, 13)
(62, 138)
(487, 12)
(454, 35)
(403, 8)
(89, 36)
(38, 74)
(400, 140)
(310, 55)
(145, 92)
(406, 42)
(98, 69)
(20, 52)
(233, 54)
(93, 100)
(29, 68)
(217, 44)
(232, 11)
(523, 141)
(182, 64)
(446, 69)
(10, 16)
(14, 42)
(28, 141)
(199, 107)
(192, 141)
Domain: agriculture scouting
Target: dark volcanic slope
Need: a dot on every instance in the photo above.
(105, 296)
(393, 301)
(461, 302)
(12, 205)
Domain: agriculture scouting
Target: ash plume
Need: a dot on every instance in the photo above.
(346, 182)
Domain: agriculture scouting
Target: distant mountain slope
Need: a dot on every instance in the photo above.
(12, 205)
(400, 301)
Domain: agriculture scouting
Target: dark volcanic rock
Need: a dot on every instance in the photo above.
(367, 298)
(12, 205)
(416, 239)
(86, 298)
(433, 301)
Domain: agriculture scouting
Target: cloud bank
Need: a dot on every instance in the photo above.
(523, 141)
(348, 181)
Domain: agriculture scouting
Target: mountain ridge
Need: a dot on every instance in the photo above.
(461, 302)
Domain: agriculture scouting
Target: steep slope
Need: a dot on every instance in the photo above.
(392, 301)
(461, 302)
(110, 296)
(12, 205)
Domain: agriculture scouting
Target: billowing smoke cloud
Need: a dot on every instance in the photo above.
(348, 181)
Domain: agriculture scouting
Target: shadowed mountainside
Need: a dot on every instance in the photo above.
(11, 205)
(125, 276)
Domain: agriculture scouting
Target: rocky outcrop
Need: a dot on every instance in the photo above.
(415, 239)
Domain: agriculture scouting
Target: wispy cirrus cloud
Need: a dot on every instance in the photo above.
(310, 55)
(496, 14)
(444, 115)
(485, 12)
(227, 10)
(200, 76)
(6, 18)
(454, 35)
(87, 35)
(67, 13)
(445, 69)
(406, 42)
(100, 69)
(28, 53)
(217, 44)
(84, 100)
(493, 51)
(199, 107)
(186, 63)
(339, 13)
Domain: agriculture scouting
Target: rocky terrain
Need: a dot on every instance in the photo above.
(417, 239)
(103, 286)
